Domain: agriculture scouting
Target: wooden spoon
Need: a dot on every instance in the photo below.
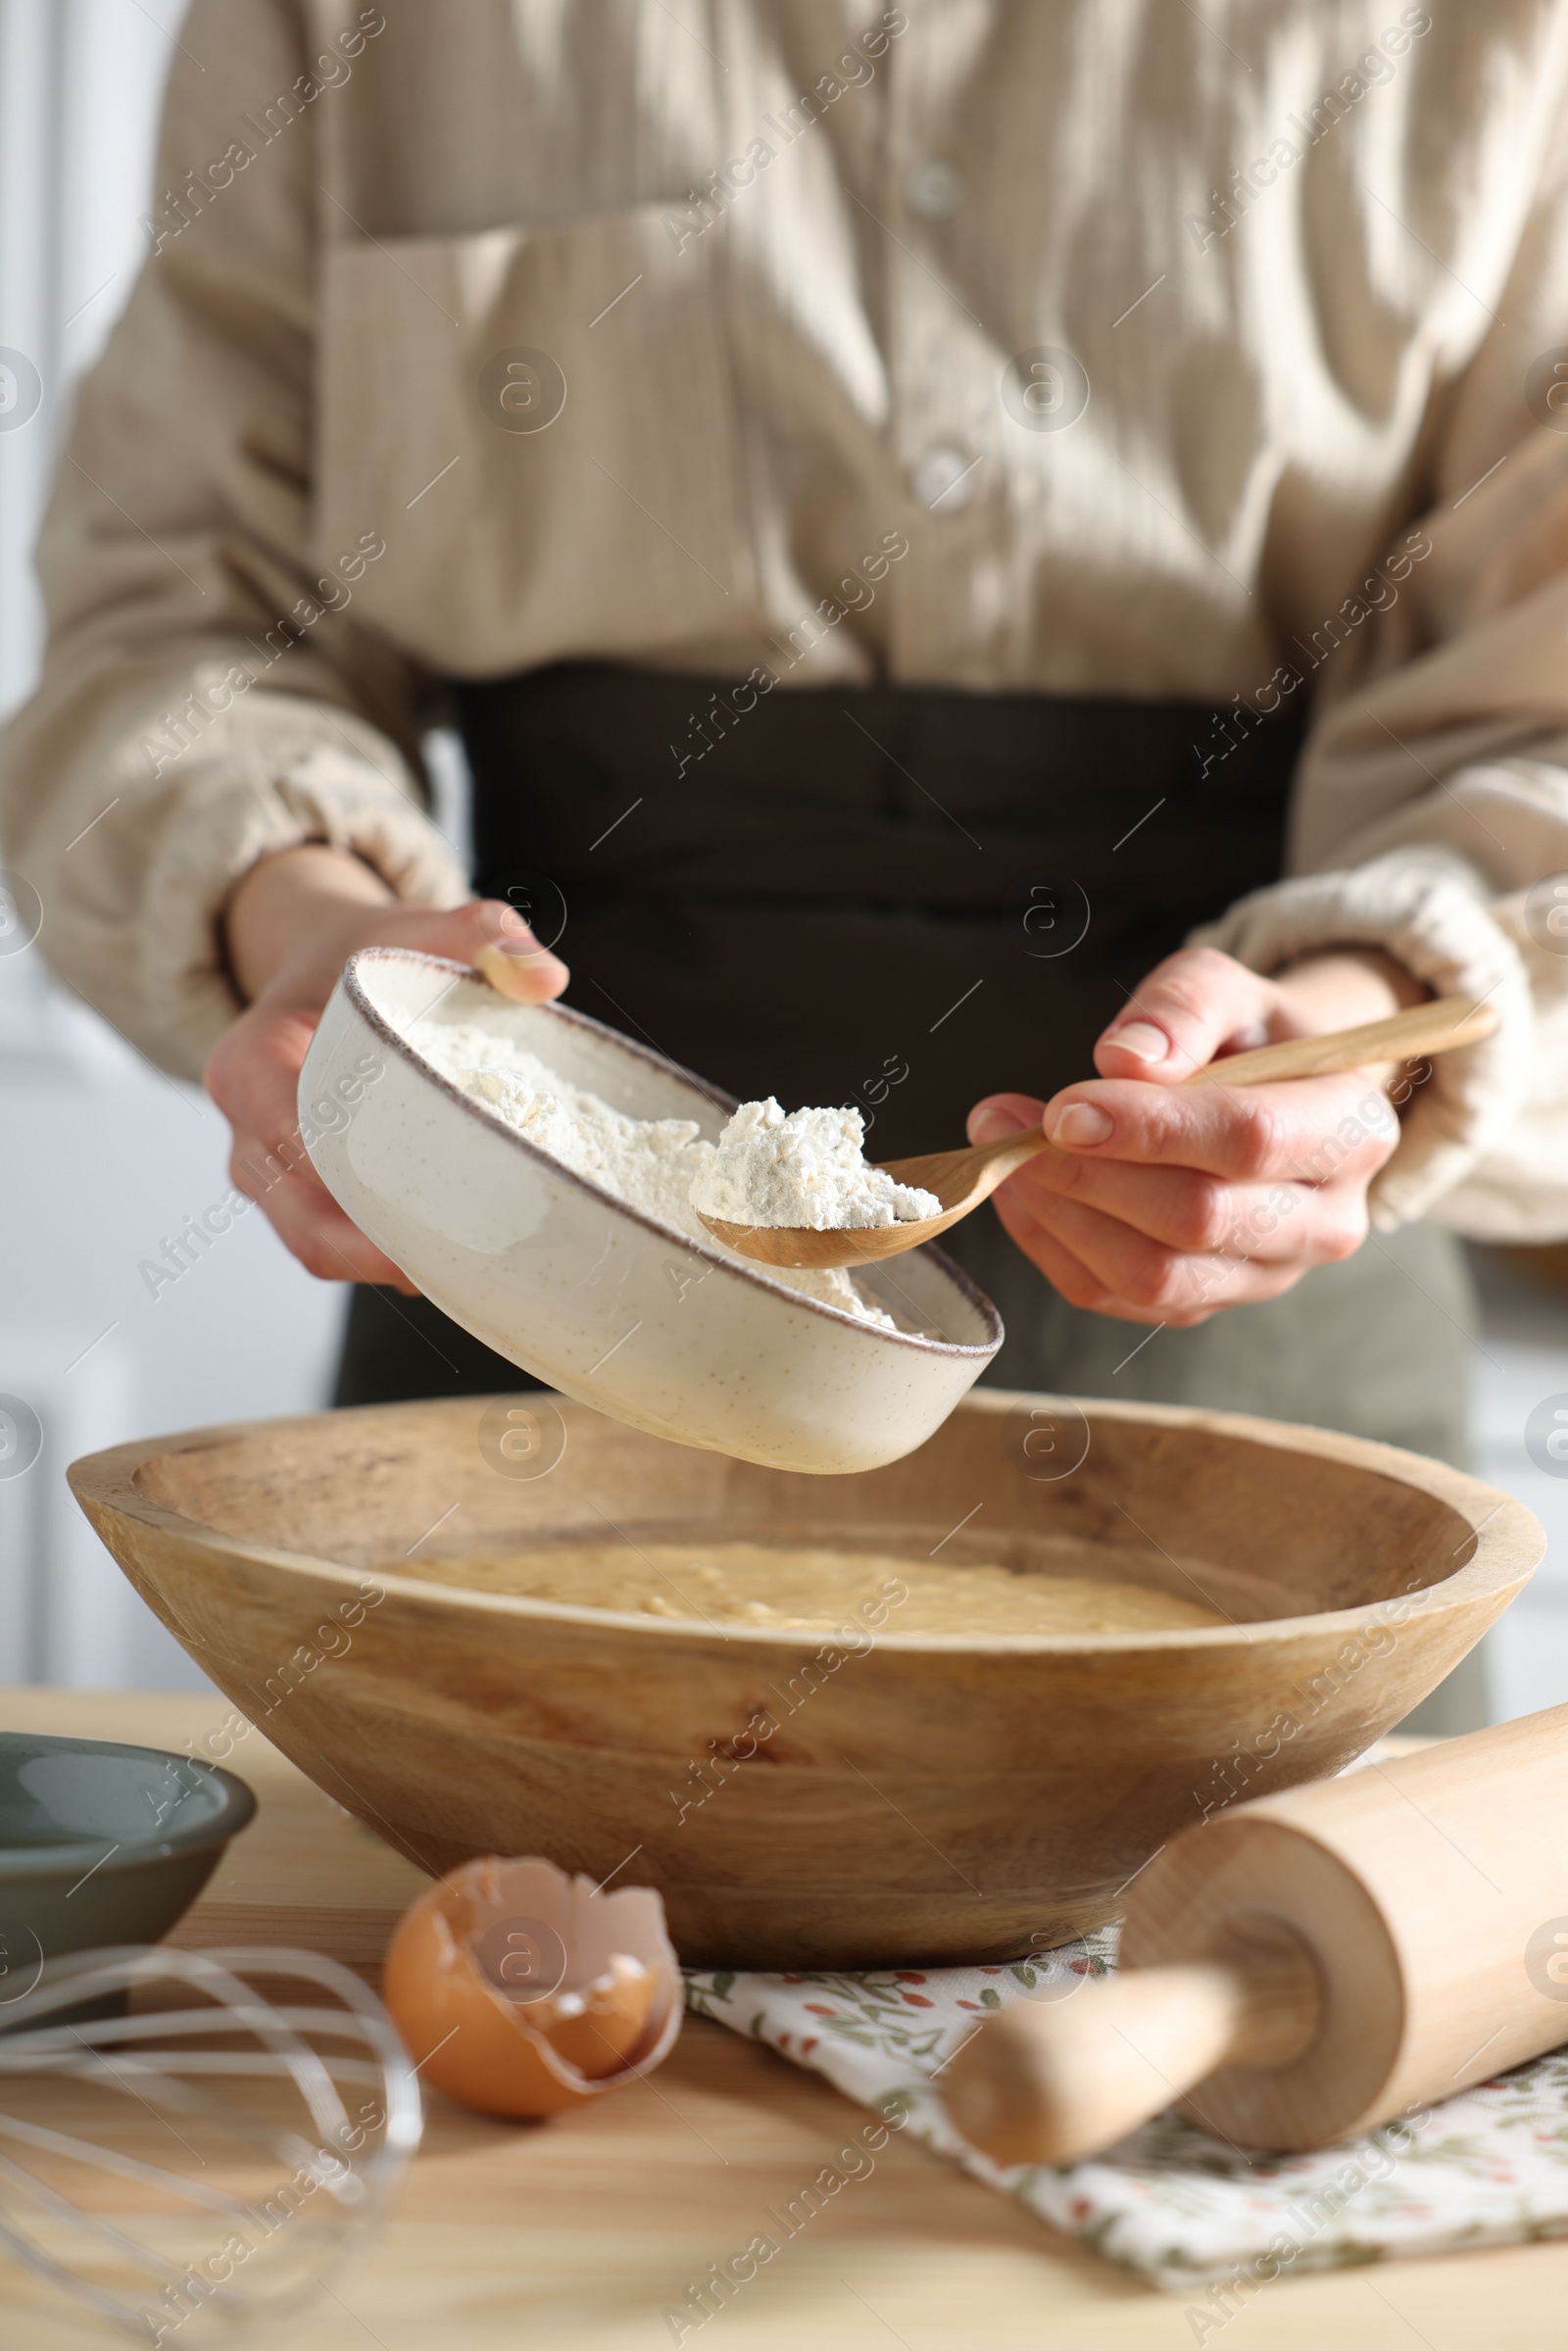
(962, 1179)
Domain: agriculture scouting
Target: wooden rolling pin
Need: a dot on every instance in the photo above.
(1310, 1965)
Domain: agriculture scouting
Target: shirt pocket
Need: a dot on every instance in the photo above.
(540, 426)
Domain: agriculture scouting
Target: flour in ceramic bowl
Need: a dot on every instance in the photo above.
(650, 1164)
(807, 1169)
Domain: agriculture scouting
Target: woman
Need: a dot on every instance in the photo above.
(883, 493)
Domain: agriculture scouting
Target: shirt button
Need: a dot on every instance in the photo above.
(934, 189)
(944, 480)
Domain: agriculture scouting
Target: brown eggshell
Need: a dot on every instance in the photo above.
(614, 2015)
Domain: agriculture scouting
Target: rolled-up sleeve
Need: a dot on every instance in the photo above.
(1430, 815)
(208, 696)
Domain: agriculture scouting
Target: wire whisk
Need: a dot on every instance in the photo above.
(286, 2129)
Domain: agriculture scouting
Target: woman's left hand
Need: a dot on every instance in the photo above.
(1163, 1205)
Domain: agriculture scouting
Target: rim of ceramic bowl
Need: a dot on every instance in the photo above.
(370, 1013)
(1501, 1528)
(237, 1810)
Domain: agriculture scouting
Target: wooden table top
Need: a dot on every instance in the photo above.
(577, 2235)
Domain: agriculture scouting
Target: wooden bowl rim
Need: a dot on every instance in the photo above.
(377, 1022)
(1510, 1540)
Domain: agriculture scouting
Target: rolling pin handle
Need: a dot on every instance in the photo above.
(1052, 2083)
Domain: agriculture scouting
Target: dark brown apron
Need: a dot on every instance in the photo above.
(907, 897)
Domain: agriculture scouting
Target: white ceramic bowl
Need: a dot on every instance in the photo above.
(676, 1338)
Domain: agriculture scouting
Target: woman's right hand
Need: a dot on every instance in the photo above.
(291, 924)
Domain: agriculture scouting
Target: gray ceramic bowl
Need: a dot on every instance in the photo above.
(102, 1843)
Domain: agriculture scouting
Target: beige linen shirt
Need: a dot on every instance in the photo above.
(1217, 353)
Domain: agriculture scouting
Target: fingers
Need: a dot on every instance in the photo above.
(494, 938)
(1189, 1007)
(1199, 1200)
(1171, 1242)
(306, 979)
(309, 1222)
(254, 1071)
(1001, 1114)
(516, 973)
(1109, 1268)
(1065, 1272)
(1311, 1130)
(1258, 1259)
(1164, 1204)
(253, 1076)
(1073, 1263)
(1182, 1209)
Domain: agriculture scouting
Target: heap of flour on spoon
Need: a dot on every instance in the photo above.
(806, 1168)
(803, 1169)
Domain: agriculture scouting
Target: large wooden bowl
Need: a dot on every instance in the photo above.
(918, 1799)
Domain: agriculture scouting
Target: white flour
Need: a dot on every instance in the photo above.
(807, 1169)
(649, 1164)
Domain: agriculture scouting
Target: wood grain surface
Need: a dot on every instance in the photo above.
(915, 1797)
(1308, 1966)
(575, 2237)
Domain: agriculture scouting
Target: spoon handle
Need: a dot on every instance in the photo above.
(974, 1172)
(1439, 1027)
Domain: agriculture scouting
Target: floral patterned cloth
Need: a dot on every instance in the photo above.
(1179, 2208)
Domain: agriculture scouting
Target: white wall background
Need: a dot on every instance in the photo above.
(1521, 1361)
(100, 1155)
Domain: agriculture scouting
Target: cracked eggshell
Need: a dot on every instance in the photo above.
(521, 1991)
